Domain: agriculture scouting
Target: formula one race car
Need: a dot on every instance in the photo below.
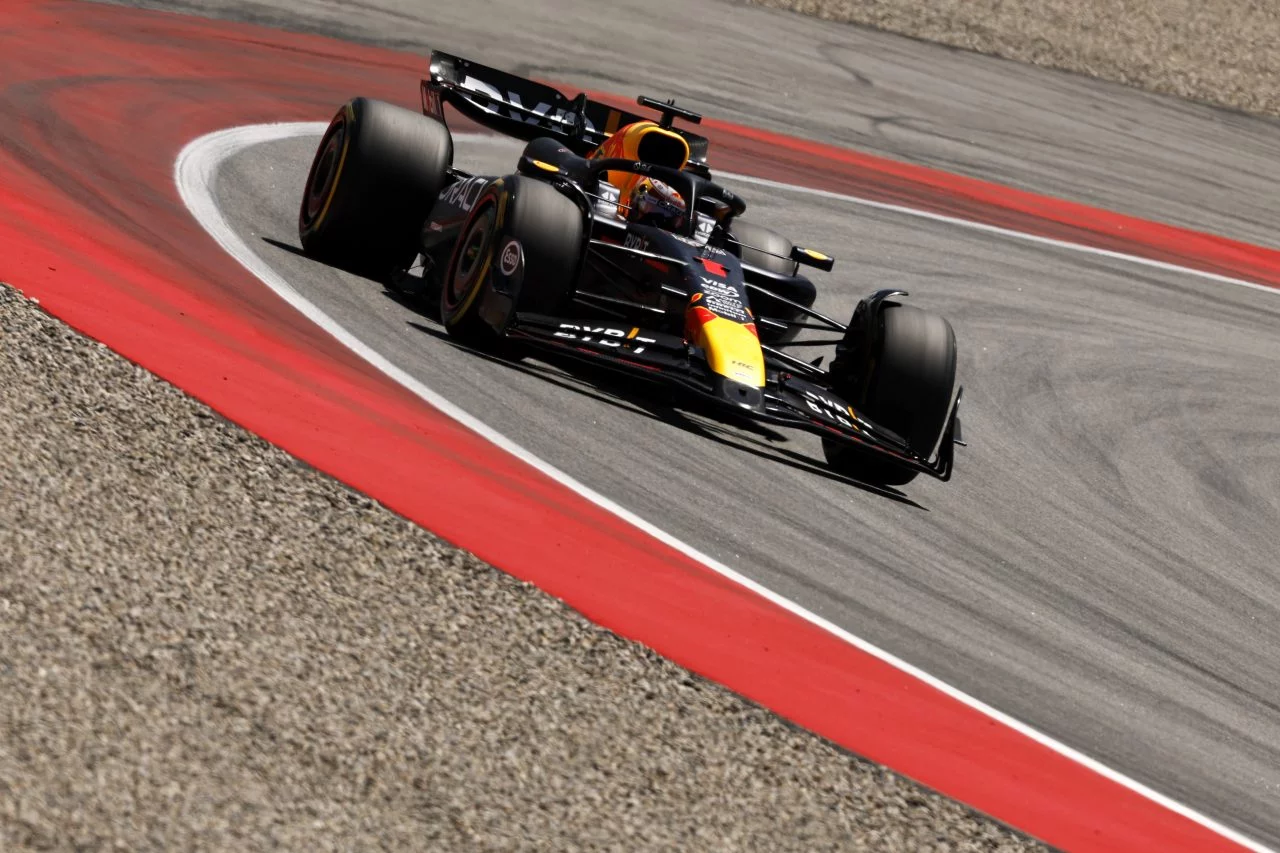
(611, 242)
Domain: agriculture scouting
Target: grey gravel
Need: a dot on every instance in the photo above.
(205, 644)
(1221, 52)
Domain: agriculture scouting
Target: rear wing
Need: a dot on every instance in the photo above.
(526, 109)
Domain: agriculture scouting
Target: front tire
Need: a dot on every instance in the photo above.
(910, 391)
(373, 180)
(547, 230)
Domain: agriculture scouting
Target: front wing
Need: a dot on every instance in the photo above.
(788, 399)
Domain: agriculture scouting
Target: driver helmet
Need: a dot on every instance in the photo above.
(655, 203)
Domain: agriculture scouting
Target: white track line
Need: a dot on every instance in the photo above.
(1003, 232)
(195, 172)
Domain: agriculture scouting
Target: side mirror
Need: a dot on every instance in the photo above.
(812, 258)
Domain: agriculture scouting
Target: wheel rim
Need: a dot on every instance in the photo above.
(324, 174)
(473, 256)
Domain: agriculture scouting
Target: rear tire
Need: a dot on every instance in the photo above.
(547, 228)
(374, 179)
(760, 241)
(761, 250)
(910, 391)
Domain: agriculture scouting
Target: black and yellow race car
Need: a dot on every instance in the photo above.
(610, 241)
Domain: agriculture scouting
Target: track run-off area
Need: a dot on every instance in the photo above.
(1101, 571)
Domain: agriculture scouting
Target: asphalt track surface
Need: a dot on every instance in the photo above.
(1103, 567)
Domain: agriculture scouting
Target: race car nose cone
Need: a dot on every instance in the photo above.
(737, 394)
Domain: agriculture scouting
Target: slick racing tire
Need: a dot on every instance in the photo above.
(758, 242)
(910, 391)
(375, 176)
(527, 235)
(761, 249)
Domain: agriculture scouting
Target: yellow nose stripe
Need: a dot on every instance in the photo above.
(732, 350)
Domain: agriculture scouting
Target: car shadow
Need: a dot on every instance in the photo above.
(287, 247)
(653, 400)
(423, 304)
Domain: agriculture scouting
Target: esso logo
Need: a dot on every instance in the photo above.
(511, 259)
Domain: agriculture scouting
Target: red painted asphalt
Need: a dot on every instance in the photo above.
(91, 224)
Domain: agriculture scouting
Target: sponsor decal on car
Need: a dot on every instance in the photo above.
(723, 299)
(431, 102)
(829, 407)
(541, 114)
(635, 241)
(511, 259)
(605, 336)
(714, 267)
(464, 194)
(704, 226)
